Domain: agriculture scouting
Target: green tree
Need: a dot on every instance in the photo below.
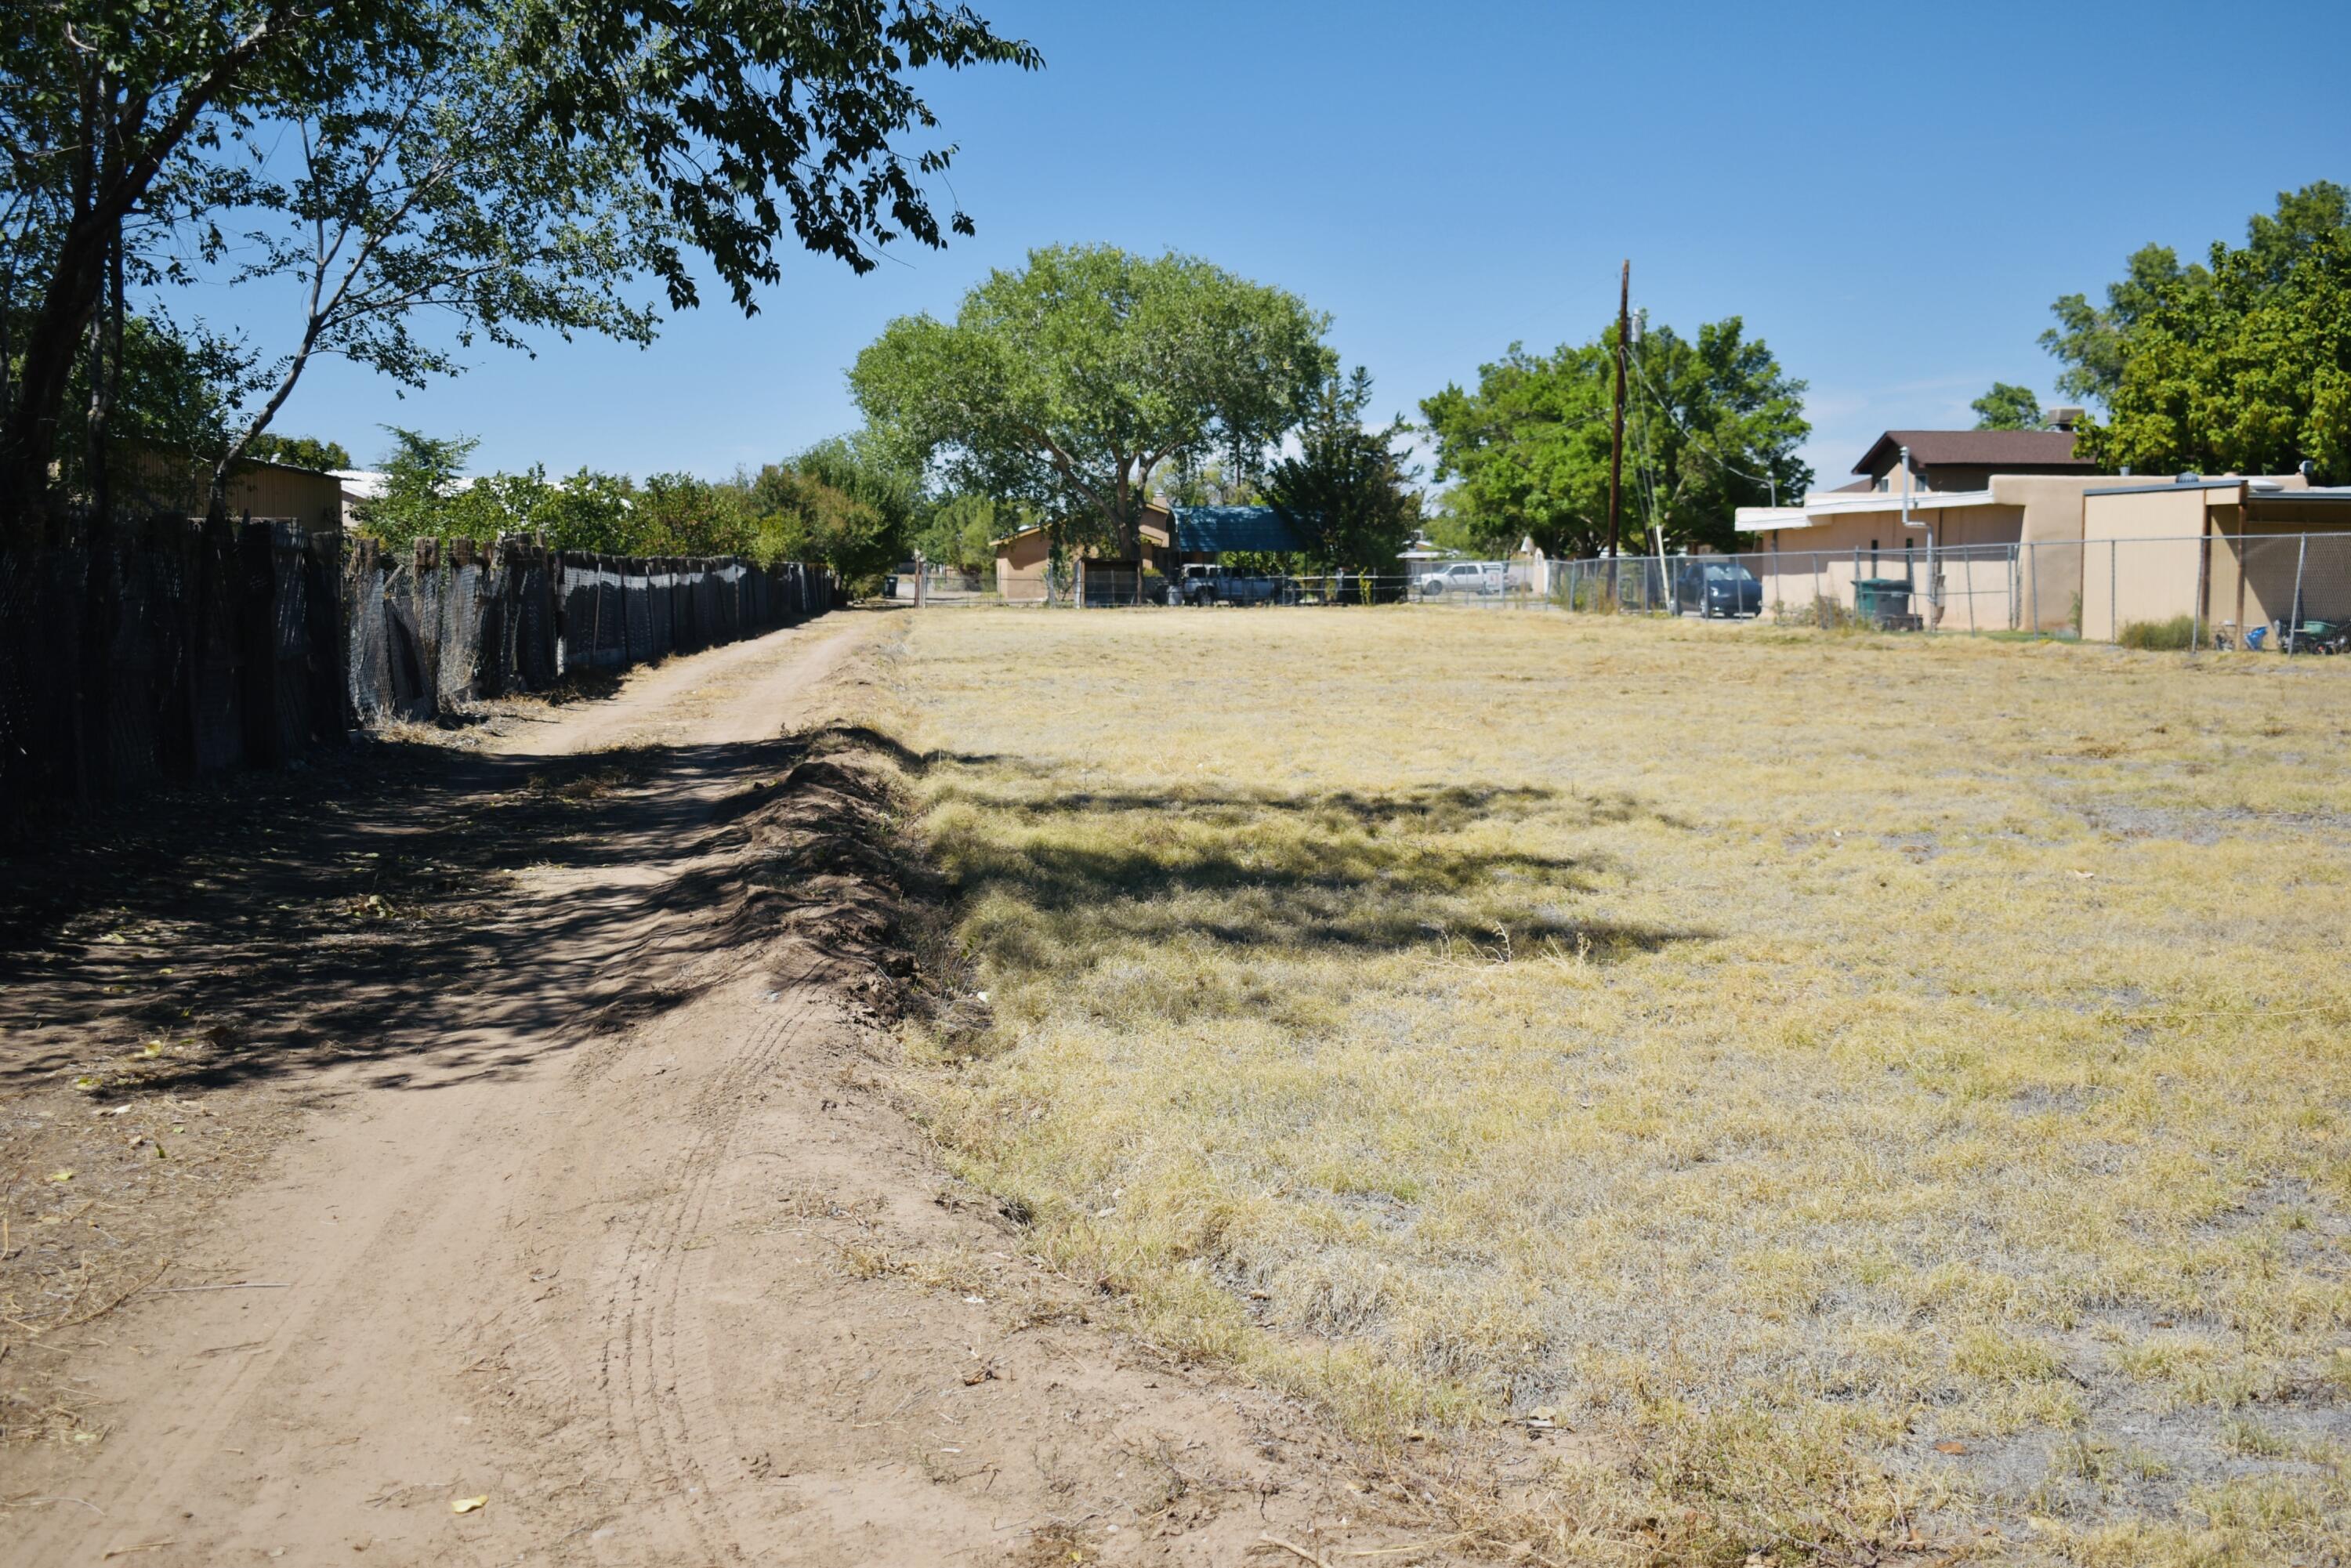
(876, 474)
(1207, 484)
(961, 530)
(1449, 524)
(2007, 406)
(427, 186)
(804, 518)
(615, 136)
(2093, 340)
(1067, 384)
(587, 511)
(681, 514)
(1348, 492)
(2240, 363)
(1713, 424)
(299, 450)
(421, 473)
(166, 416)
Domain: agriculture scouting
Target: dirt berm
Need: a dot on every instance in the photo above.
(483, 1156)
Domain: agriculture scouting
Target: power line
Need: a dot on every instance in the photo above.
(1720, 461)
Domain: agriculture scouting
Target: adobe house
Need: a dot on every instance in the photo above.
(1024, 559)
(1173, 538)
(2223, 551)
(1968, 495)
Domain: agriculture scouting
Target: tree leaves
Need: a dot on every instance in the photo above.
(1348, 491)
(2007, 406)
(1711, 426)
(746, 115)
(503, 165)
(2242, 364)
(1067, 384)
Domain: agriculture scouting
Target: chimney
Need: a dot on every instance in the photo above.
(2065, 419)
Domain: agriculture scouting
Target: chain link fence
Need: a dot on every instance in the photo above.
(2282, 592)
(930, 583)
(1099, 587)
(172, 648)
(2275, 592)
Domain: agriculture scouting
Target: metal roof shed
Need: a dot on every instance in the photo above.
(1226, 530)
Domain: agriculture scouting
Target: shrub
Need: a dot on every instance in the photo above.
(1820, 611)
(2161, 636)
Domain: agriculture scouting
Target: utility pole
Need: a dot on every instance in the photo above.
(1616, 448)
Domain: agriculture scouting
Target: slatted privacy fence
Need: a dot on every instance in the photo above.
(171, 648)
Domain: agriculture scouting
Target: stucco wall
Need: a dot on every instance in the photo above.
(2052, 506)
(1020, 563)
(1978, 588)
(2140, 556)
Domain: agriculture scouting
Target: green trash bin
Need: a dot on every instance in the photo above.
(1880, 599)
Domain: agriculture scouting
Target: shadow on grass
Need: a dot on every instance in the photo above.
(1251, 869)
(1426, 810)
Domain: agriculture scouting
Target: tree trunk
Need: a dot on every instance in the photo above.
(110, 190)
(29, 443)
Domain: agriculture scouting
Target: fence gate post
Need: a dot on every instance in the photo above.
(2203, 586)
(2301, 555)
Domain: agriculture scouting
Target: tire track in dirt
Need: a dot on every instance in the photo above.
(657, 1347)
(178, 1439)
(537, 1261)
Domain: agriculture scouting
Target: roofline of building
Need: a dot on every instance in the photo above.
(285, 467)
(2259, 484)
(1888, 438)
(1812, 514)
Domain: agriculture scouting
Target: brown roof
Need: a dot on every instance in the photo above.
(1976, 449)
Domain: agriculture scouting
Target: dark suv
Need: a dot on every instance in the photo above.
(1715, 587)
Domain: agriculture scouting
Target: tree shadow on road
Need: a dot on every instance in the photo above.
(442, 913)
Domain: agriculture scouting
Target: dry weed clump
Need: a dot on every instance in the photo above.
(1878, 1095)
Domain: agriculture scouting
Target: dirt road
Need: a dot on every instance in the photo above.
(628, 1240)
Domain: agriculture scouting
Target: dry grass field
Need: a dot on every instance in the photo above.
(1837, 1095)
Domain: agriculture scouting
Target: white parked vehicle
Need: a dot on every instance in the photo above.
(1463, 577)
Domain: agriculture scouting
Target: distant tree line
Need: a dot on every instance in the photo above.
(841, 503)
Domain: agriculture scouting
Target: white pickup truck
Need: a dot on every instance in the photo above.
(1462, 577)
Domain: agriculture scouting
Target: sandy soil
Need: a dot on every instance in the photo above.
(588, 1202)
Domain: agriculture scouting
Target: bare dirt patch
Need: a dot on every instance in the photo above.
(536, 1105)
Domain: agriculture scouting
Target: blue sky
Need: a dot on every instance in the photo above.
(1891, 196)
